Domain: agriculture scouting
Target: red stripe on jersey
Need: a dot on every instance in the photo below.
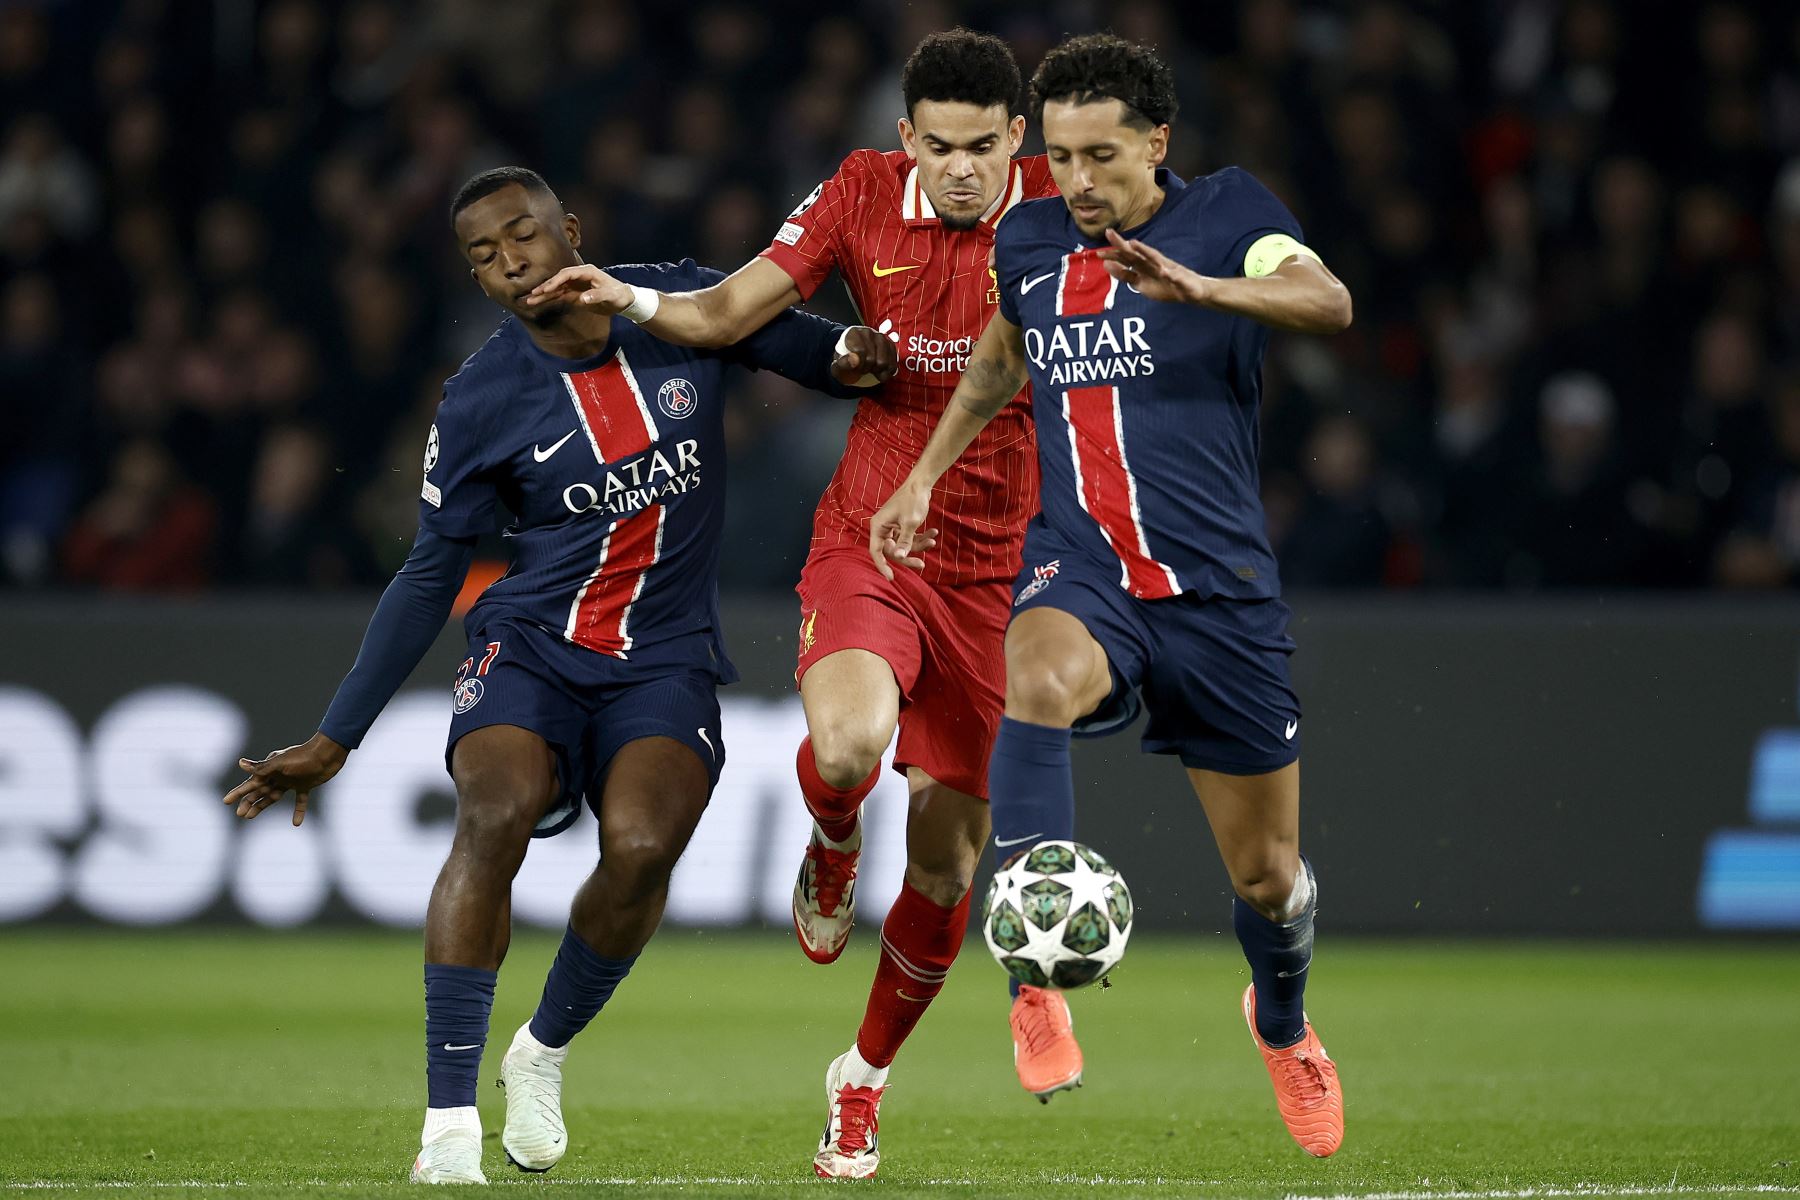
(1107, 491)
(612, 411)
(600, 617)
(1084, 287)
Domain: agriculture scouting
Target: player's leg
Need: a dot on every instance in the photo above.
(1256, 820)
(1056, 673)
(1220, 697)
(1075, 652)
(945, 831)
(859, 654)
(506, 778)
(852, 705)
(654, 791)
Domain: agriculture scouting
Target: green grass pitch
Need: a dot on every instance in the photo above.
(268, 1064)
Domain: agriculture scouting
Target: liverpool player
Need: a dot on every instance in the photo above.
(592, 664)
(911, 232)
(1139, 307)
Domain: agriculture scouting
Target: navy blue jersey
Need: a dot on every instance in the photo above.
(1146, 411)
(613, 468)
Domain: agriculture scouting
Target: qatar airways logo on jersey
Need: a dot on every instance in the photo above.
(637, 483)
(1094, 350)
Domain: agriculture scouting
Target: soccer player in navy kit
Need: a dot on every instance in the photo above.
(1139, 307)
(592, 664)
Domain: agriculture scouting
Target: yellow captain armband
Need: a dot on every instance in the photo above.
(1268, 253)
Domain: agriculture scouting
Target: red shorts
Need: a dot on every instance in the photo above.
(946, 645)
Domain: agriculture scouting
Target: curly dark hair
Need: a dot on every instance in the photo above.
(489, 182)
(962, 66)
(1100, 66)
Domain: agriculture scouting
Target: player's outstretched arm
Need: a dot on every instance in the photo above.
(407, 620)
(995, 373)
(720, 315)
(1300, 294)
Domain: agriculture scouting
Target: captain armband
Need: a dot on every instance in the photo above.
(1268, 253)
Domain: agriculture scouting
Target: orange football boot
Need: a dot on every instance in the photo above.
(1307, 1090)
(1045, 1052)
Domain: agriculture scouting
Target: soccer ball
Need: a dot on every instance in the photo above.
(1058, 917)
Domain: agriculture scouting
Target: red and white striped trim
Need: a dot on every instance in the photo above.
(1084, 287)
(600, 617)
(612, 410)
(1107, 490)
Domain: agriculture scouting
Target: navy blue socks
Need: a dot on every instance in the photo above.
(579, 985)
(1031, 790)
(1279, 956)
(458, 1001)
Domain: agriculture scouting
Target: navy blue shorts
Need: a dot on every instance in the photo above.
(1212, 673)
(586, 704)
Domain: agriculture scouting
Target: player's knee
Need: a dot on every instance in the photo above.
(1043, 691)
(641, 861)
(845, 751)
(1266, 881)
(943, 882)
(495, 823)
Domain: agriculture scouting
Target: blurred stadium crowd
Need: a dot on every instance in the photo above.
(230, 297)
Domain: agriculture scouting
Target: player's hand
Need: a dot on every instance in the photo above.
(1154, 274)
(299, 769)
(584, 285)
(895, 535)
(869, 357)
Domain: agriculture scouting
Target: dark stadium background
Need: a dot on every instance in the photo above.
(1521, 505)
(1538, 511)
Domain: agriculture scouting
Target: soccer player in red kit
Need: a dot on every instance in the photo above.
(911, 231)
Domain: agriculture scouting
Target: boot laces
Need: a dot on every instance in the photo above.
(832, 873)
(857, 1117)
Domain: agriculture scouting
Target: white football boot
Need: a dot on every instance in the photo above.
(450, 1147)
(534, 1138)
(850, 1147)
(825, 894)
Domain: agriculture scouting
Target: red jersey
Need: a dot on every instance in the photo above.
(933, 288)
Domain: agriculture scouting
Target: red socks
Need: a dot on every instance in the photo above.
(919, 941)
(833, 808)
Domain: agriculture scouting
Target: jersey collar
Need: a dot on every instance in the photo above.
(916, 209)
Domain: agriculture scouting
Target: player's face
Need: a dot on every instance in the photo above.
(964, 155)
(514, 241)
(1104, 166)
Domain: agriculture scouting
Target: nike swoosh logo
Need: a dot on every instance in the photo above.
(1004, 843)
(541, 455)
(882, 272)
(901, 992)
(1293, 974)
(448, 1046)
(1031, 283)
(709, 745)
(1292, 726)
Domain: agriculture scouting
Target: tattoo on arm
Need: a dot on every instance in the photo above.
(987, 384)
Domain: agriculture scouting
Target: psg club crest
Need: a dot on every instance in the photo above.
(1040, 579)
(678, 399)
(431, 449)
(468, 695)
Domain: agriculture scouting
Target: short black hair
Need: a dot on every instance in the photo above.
(489, 182)
(1101, 66)
(964, 67)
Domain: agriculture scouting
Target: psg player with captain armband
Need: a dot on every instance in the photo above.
(1139, 307)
